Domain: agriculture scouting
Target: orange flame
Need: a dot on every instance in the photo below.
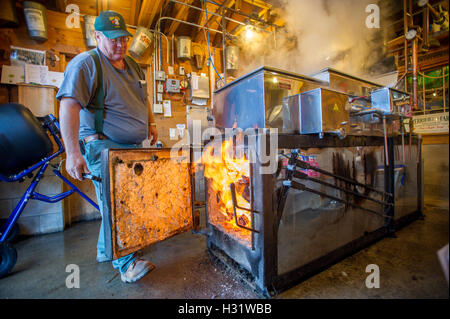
(221, 169)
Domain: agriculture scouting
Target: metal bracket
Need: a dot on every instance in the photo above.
(302, 187)
(306, 165)
(302, 175)
(235, 205)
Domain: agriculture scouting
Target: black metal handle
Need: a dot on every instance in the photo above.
(235, 205)
(306, 165)
(92, 177)
(302, 187)
(302, 175)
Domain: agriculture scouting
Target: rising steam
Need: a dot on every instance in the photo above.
(320, 34)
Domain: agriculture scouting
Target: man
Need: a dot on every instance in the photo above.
(104, 105)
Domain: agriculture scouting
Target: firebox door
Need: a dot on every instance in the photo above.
(147, 198)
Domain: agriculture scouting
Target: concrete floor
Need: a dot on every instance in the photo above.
(408, 265)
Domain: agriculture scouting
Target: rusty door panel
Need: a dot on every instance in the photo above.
(147, 198)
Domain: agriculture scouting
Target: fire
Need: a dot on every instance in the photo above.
(223, 168)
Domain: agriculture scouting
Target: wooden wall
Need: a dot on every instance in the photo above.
(65, 43)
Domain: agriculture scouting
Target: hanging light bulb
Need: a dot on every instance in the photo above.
(249, 32)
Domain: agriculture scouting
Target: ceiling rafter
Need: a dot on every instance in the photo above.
(135, 10)
(149, 10)
(217, 38)
(212, 19)
(241, 28)
(259, 3)
(102, 5)
(61, 5)
(200, 18)
(182, 13)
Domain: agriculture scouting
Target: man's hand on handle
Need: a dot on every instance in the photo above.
(69, 120)
(76, 166)
(152, 134)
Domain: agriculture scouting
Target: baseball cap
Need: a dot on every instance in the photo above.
(111, 24)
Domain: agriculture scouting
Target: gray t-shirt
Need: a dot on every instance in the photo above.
(125, 111)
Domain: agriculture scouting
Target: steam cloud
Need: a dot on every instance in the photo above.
(320, 34)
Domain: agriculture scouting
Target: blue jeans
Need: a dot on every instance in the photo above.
(92, 156)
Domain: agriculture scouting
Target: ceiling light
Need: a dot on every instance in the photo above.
(411, 34)
(249, 31)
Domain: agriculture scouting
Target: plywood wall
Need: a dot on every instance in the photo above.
(64, 43)
(179, 101)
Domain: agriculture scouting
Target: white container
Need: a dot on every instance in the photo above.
(184, 47)
(89, 31)
(141, 42)
(232, 58)
(35, 16)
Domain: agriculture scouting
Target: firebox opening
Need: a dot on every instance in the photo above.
(224, 167)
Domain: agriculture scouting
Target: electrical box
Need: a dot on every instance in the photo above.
(160, 88)
(199, 87)
(173, 86)
(160, 76)
(184, 47)
(157, 108)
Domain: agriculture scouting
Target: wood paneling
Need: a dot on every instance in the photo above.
(134, 13)
(61, 39)
(40, 99)
(149, 11)
(177, 102)
(182, 12)
(213, 20)
(435, 139)
(65, 42)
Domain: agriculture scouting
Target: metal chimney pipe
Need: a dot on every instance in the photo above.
(415, 71)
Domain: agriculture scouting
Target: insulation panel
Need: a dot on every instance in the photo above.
(147, 198)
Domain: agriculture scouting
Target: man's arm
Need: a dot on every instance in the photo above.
(69, 119)
(152, 132)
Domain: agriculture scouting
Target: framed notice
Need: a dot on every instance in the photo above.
(21, 56)
(431, 123)
(12, 74)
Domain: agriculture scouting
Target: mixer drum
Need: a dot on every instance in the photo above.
(23, 140)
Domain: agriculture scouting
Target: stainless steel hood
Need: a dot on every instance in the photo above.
(255, 99)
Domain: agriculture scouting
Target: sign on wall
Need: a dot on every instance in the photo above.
(431, 123)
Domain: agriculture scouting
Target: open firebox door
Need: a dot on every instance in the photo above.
(147, 198)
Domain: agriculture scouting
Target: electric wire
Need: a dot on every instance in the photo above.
(207, 40)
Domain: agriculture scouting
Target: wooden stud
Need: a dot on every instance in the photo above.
(182, 14)
(212, 19)
(135, 9)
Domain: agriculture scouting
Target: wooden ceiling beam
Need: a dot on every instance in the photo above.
(61, 5)
(212, 19)
(182, 13)
(149, 11)
(135, 10)
(217, 38)
(103, 5)
(241, 28)
(259, 3)
(199, 20)
(215, 19)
